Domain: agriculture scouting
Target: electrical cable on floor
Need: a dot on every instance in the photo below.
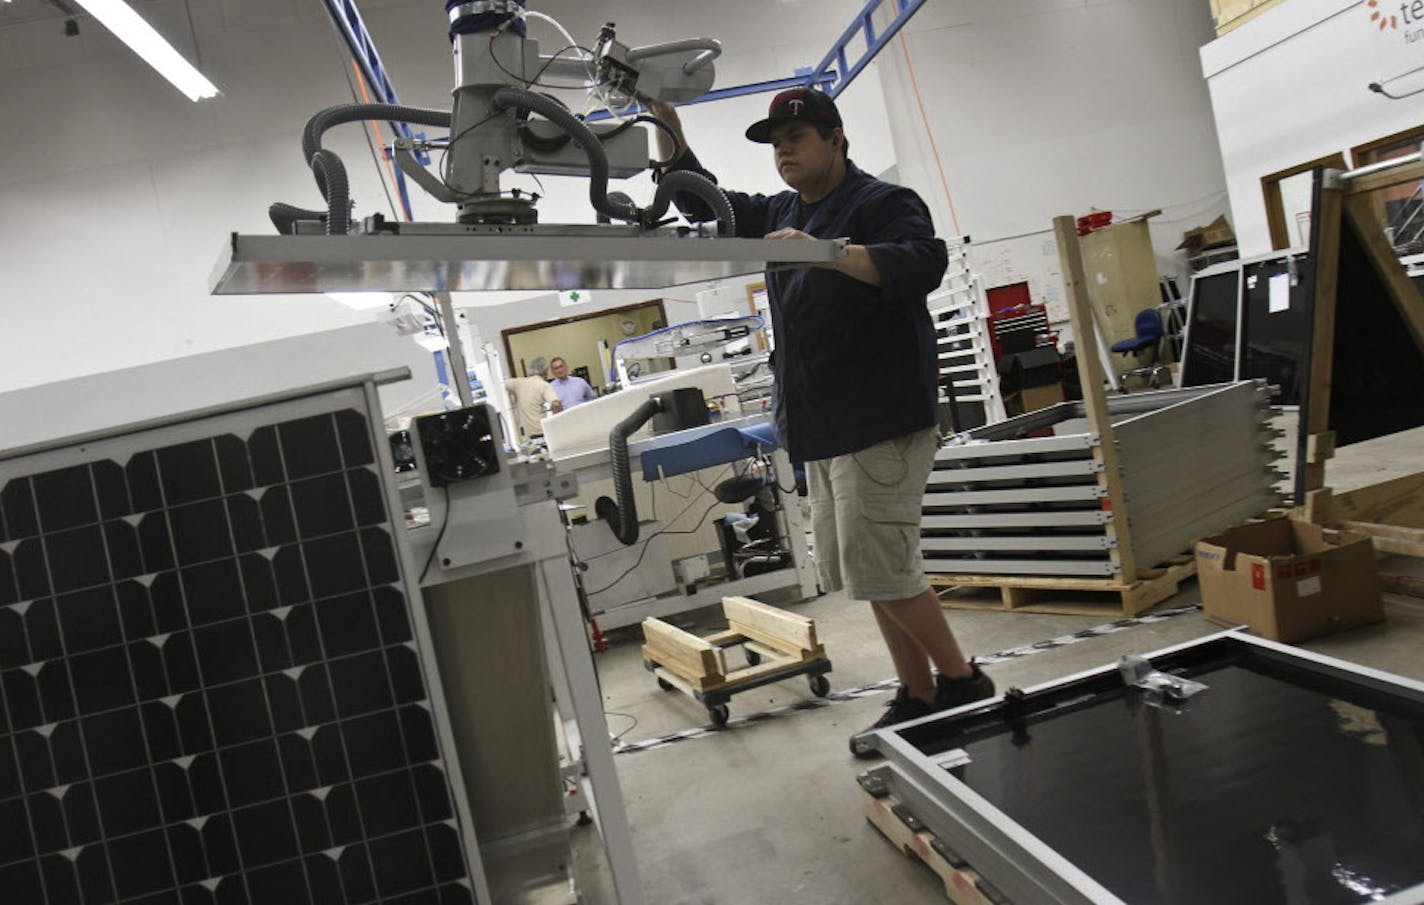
(616, 739)
(444, 523)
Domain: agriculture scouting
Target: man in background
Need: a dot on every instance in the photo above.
(527, 398)
(572, 389)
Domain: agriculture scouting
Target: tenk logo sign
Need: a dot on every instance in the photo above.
(1381, 18)
(1405, 26)
(1398, 29)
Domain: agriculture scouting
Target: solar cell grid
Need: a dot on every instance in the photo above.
(209, 691)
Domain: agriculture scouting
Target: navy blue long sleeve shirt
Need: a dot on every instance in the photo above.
(854, 364)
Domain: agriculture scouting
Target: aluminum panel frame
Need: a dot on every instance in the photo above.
(1031, 446)
(257, 265)
(1086, 542)
(1019, 864)
(979, 474)
(1091, 518)
(1130, 404)
(1077, 568)
(1072, 493)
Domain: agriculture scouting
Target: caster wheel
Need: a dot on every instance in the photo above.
(820, 686)
(665, 685)
(584, 819)
(753, 658)
(719, 714)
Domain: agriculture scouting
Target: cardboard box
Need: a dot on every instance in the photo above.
(1031, 399)
(1213, 235)
(1289, 580)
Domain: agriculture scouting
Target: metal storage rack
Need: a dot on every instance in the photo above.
(969, 380)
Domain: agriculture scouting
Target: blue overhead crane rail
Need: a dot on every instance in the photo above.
(864, 24)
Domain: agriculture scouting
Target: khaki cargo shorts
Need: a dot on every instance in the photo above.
(865, 517)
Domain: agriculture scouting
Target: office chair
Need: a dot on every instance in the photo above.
(1145, 346)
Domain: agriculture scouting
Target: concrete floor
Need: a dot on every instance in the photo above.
(769, 811)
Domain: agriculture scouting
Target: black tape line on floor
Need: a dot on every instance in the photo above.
(884, 685)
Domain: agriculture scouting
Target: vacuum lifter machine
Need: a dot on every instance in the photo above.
(491, 564)
(501, 121)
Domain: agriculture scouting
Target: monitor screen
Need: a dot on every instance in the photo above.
(1210, 355)
(1276, 324)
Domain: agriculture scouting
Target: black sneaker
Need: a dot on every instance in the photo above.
(901, 708)
(950, 693)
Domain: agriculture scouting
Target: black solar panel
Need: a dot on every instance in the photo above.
(211, 693)
(1213, 315)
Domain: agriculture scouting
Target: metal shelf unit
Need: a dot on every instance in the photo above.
(969, 380)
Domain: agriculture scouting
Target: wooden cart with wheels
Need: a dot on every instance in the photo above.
(776, 644)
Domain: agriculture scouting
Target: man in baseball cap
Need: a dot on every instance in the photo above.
(804, 104)
(857, 381)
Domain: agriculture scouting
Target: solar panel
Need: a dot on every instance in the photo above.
(1210, 356)
(211, 688)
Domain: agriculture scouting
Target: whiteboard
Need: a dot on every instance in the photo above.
(1032, 258)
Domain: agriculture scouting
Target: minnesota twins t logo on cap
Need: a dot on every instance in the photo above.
(796, 106)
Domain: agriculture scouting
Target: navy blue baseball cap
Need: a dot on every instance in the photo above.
(803, 104)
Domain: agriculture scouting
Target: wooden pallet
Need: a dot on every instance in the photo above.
(1402, 584)
(1067, 596)
(961, 884)
(778, 645)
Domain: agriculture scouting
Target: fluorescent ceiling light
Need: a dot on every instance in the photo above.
(129, 27)
(363, 301)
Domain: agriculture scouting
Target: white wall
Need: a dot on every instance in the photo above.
(116, 201)
(1047, 107)
(1291, 86)
(116, 193)
(87, 404)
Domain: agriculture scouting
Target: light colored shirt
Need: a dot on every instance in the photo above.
(527, 398)
(572, 390)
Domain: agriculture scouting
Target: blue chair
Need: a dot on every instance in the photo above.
(1146, 346)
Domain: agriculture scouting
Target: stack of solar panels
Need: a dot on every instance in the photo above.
(1024, 497)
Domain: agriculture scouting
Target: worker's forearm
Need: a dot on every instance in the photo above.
(857, 264)
(668, 148)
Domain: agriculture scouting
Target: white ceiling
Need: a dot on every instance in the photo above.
(18, 12)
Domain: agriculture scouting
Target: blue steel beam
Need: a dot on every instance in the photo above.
(836, 71)
(862, 25)
(352, 29)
